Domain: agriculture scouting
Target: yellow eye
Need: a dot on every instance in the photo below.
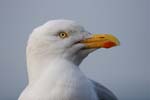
(63, 35)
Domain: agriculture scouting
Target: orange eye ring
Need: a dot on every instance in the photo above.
(63, 35)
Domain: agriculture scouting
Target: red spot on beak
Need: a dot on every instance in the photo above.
(109, 44)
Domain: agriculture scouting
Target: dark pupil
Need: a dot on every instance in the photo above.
(62, 34)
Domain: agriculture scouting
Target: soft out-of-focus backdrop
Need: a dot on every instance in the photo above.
(125, 69)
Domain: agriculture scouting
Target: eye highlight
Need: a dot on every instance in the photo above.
(63, 35)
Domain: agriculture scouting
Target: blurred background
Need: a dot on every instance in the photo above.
(125, 70)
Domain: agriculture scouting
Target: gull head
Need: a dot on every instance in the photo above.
(65, 39)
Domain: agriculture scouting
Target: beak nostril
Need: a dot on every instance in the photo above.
(101, 37)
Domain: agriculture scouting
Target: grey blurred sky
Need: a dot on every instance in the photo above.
(125, 69)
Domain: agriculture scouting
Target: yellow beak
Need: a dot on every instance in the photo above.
(101, 41)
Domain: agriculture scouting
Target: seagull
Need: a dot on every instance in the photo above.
(54, 52)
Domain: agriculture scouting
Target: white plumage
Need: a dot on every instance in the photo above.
(53, 65)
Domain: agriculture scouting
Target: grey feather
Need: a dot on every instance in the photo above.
(102, 92)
